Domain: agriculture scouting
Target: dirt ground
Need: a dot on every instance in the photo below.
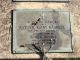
(5, 26)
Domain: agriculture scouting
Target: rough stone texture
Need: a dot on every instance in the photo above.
(5, 23)
(40, 0)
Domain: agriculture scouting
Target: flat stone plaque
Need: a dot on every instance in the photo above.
(51, 27)
(43, 0)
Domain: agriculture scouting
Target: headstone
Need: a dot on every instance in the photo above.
(51, 27)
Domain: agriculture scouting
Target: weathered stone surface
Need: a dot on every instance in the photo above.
(5, 39)
(42, 0)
